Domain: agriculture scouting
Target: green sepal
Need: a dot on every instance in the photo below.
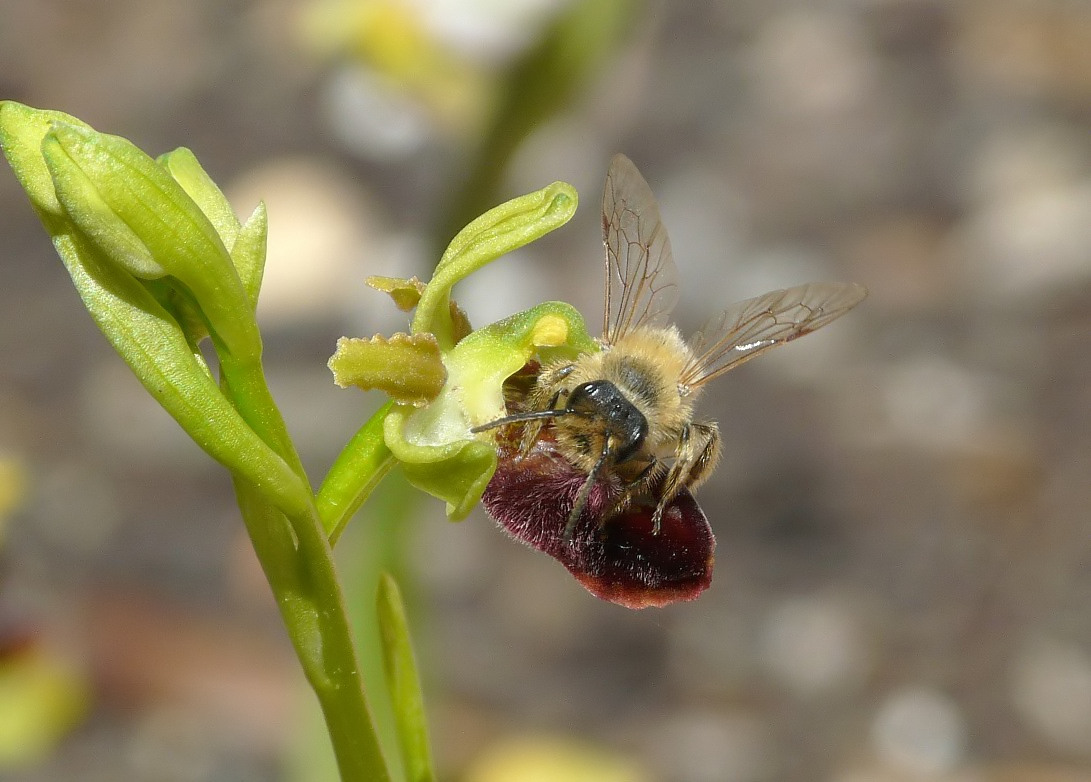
(434, 444)
(84, 204)
(246, 241)
(187, 171)
(403, 683)
(502, 229)
(22, 130)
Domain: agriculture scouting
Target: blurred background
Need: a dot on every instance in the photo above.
(903, 574)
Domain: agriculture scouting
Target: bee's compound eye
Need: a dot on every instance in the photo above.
(591, 397)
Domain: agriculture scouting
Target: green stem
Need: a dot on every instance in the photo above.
(358, 469)
(304, 582)
(244, 384)
(302, 575)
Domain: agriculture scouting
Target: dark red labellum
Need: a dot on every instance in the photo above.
(618, 559)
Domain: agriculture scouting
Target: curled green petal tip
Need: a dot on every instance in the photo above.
(500, 230)
(405, 293)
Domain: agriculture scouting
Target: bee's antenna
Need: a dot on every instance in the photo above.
(511, 419)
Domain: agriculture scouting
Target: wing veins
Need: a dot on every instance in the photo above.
(640, 287)
(752, 327)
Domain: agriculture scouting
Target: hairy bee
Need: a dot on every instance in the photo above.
(626, 412)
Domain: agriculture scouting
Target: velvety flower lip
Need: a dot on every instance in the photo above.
(618, 559)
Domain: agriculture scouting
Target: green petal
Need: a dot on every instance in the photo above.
(407, 367)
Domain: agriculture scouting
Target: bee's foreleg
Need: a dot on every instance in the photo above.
(585, 491)
(697, 453)
(642, 479)
(532, 428)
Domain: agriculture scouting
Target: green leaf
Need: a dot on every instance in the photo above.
(403, 683)
(156, 349)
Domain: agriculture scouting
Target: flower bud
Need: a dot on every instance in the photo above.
(135, 212)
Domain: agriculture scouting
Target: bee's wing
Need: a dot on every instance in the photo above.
(641, 279)
(751, 327)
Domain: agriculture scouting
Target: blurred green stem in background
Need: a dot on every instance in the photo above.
(541, 85)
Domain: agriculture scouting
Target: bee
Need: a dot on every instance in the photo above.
(626, 411)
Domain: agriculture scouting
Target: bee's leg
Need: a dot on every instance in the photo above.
(547, 379)
(644, 477)
(707, 456)
(532, 428)
(585, 491)
(698, 452)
